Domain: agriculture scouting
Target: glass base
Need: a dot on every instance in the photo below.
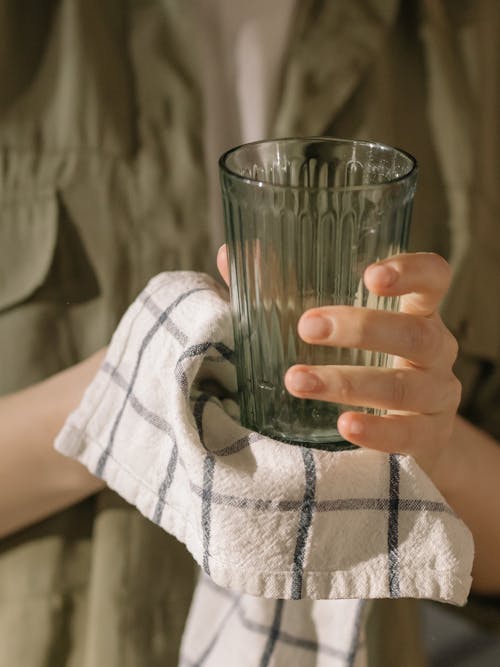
(331, 443)
(337, 446)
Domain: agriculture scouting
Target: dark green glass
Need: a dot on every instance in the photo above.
(303, 219)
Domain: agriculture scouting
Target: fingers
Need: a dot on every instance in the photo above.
(422, 280)
(423, 341)
(416, 334)
(405, 434)
(420, 391)
(403, 389)
(223, 264)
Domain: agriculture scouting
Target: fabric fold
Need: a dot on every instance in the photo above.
(262, 517)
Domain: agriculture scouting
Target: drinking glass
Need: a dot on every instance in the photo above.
(304, 218)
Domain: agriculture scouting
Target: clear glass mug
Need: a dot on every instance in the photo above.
(303, 219)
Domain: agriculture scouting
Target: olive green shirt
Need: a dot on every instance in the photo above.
(102, 185)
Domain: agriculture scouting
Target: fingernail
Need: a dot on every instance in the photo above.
(303, 381)
(384, 275)
(315, 327)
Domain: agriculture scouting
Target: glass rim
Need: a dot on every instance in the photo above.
(223, 166)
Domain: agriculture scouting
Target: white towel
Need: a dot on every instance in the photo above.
(261, 517)
(229, 629)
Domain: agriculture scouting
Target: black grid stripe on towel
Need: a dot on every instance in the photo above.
(275, 632)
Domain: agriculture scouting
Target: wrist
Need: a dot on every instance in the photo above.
(467, 475)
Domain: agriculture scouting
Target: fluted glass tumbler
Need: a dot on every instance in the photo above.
(303, 219)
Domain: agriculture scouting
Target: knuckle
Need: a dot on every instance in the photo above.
(423, 338)
(359, 329)
(452, 345)
(399, 390)
(450, 395)
(344, 387)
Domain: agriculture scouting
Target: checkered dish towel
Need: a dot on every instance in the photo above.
(261, 517)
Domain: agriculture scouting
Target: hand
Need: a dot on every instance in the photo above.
(420, 390)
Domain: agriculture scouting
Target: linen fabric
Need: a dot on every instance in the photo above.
(226, 628)
(261, 517)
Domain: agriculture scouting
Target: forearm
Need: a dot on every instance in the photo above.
(469, 478)
(35, 480)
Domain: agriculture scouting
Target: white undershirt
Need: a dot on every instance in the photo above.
(243, 45)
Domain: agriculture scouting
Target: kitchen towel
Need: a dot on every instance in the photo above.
(261, 517)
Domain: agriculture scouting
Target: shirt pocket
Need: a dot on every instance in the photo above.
(42, 255)
(28, 237)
